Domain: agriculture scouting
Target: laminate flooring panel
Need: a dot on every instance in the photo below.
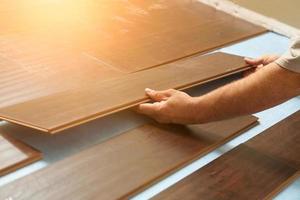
(90, 99)
(282, 141)
(125, 164)
(15, 154)
(242, 173)
(126, 35)
(284, 11)
(44, 76)
(279, 144)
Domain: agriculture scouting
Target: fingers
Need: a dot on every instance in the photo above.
(153, 111)
(269, 59)
(263, 60)
(254, 61)
(159, 95)
(150, 109)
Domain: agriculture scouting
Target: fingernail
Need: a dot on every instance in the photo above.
(148, 90)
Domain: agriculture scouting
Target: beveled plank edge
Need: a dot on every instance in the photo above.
(283, 186)
(32, 153)
(24, 124)
(262, 31)
(193, 158)
(21, 164)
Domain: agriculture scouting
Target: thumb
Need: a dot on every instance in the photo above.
(150, 109)
(254, 61)
(157, 95)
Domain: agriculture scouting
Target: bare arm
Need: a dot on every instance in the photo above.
(266, 88)
(269, 86)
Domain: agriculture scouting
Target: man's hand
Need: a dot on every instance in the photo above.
(260, 62)
(170, 106)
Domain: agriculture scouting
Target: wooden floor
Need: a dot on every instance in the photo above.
(127, 163)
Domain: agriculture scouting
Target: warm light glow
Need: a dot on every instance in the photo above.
(118, 33)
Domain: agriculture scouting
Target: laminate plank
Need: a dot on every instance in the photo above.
(125, 164)
(15, 154)
(45, 75)
(127, 35)
(242, 173)
(284, 11)
(58, 111)
(281, 141)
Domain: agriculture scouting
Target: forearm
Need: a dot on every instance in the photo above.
(268, 87)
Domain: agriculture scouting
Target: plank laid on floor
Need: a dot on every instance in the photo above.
(242, 173)
(127, 163)
(282, 141)
(15, 154)
(59, 111)
(284, 11)
(127, 35)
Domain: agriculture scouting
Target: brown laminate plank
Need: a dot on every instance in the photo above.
(279, 143)
(47, 75)
(125, 164)
(127, 35)
(282, 141)
(15, 154)
(92, 99)
(242, 173)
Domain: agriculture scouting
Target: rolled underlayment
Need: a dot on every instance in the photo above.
(273, 22)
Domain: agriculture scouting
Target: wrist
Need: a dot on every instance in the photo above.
(198, 110)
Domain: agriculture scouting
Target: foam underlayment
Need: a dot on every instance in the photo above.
(253, 17)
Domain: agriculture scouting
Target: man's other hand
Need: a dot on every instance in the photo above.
(258, 63)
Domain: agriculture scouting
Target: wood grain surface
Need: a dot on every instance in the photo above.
(52, 111)
(15, 154)
(282, 141)
(242, 173)
(125, 164)
(126, 35)
(258, 169)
